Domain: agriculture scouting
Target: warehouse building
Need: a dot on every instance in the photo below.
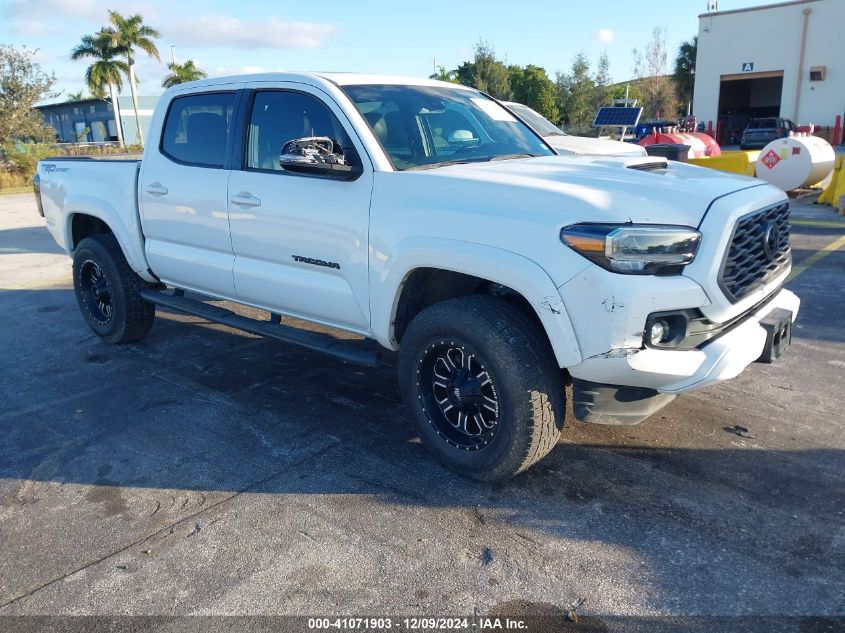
(785, 59)
(93, 121)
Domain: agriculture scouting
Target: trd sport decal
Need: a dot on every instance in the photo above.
(315, 262)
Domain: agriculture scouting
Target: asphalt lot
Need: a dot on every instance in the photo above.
(206, 471)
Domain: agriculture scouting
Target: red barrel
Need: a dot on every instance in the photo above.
(701, 145)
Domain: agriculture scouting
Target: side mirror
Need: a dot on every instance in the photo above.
(317, 155)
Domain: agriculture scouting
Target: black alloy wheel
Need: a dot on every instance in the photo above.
(458, 395)
(95, 291)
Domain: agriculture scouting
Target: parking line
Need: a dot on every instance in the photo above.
(815, 257)
(822, 224)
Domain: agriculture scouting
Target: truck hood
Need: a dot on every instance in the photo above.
(582, 145)
(600, 189)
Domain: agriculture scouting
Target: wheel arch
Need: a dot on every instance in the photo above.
(86, 216)
(410, 283)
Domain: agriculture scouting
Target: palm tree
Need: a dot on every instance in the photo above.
(181, 73)
(685, 69)
(129, 33)
(106, 70)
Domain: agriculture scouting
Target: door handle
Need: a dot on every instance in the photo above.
(156, 189)
(245, 199)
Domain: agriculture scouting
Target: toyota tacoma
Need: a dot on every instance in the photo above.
(431, 221)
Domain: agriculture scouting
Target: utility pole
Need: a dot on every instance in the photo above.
(433, 65)
(173, 54)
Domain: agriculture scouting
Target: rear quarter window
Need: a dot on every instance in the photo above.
(197, 128)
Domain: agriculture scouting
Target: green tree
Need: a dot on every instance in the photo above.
(486, 73)
(22, 85)
(75, 96)
(630, 90)
(128, 34)
(106, 70)
(532, 86)
(182, 73)
(685, 70)
(576, 92)
(442, 74)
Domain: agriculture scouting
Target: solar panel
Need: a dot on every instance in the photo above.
(617, 117)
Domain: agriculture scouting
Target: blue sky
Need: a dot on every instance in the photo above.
(382, 36)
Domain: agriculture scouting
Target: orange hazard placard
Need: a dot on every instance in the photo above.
(770, 159)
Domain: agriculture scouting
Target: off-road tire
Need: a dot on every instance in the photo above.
(130, 316)
(519, 361)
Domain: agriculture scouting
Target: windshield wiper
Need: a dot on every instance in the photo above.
(445, 163)
(466, 161)
(510, 156)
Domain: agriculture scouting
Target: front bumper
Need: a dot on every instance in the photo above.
(678, 371)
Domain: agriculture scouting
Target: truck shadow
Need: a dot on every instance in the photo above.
(30, 239)
(195, 407)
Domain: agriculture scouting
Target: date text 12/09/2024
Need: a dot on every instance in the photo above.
(418, 624)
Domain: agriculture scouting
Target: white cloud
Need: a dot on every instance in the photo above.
(605, 36)
(30, 18)
(36, 15)
(229, 32)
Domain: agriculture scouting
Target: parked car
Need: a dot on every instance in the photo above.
(566, 143)
(760, 132)
(429, 221)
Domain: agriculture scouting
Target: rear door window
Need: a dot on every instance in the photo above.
(197, 128)
(763, 124)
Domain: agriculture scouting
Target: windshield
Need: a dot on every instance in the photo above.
(429, 126)
(762, 124)
(541, 124)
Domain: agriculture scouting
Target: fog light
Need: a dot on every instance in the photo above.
(659, 329)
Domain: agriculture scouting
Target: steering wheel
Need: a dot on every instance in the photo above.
(466, 149)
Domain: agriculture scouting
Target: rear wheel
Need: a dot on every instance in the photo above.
(108, 291)
(482, 386)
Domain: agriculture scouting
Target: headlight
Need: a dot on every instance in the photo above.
(638, 249)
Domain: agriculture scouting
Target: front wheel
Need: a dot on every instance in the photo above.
(482, 386)
(109, 292)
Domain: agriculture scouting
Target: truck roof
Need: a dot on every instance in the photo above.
(338, 78)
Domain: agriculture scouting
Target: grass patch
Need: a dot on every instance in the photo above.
(8, 190)
(14, 180)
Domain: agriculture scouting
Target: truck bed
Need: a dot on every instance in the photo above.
(97, 186)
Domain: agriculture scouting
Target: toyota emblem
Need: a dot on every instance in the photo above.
(771, 239)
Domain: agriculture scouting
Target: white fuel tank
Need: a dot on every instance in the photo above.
(795, 162)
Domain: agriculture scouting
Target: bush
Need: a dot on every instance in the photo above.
(13, 181)
(19, 160)
(22, 158)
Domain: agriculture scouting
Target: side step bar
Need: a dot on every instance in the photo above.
(350, 351)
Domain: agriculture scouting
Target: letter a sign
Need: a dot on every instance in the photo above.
(747, 67)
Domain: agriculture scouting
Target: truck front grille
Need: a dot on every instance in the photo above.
(758, 251)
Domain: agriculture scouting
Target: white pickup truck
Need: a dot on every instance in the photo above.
(431, 221)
